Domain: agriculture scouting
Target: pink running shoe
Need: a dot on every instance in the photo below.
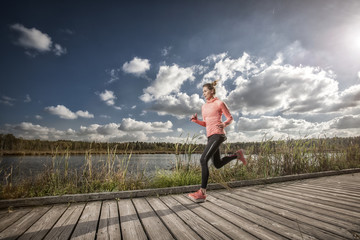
(240, 156)
(197, 196)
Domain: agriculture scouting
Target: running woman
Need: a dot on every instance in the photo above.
(212, 112)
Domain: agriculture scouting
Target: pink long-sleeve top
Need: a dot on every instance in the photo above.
(212, 112)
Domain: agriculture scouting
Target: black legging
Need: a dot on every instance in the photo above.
(212, 151)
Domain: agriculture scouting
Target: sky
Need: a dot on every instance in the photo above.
(118, 71)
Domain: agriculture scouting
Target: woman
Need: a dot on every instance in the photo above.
(212, 112)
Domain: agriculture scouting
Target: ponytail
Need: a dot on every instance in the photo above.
(211, 86)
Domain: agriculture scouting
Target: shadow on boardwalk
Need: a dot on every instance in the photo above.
(319, 208)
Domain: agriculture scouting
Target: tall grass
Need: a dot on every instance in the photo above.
(267, 159)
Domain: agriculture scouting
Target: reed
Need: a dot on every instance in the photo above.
(266, 159)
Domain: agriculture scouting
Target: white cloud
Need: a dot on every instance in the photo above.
(7, 100)
(346, 122)
(285, 88)
(226, 68)
(108, 97)
(84, 114)
(114, 75)
(94, 132)
(27, 98)
(59, 50)
(293, 54)
(34, 39)
(137, 66)
(30, 131)
(65, 113)
(180, 105)
(165, 51)
(131, 125)
(38, 117)
(168, 80)
(214, 58)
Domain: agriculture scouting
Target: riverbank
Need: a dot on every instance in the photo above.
(267, 159)
(51, 153)
(73, 198)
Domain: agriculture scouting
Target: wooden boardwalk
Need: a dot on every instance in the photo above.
(322, 208)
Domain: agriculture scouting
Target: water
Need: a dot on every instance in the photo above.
(30, 166)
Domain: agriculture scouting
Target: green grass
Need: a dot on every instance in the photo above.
(269, 159)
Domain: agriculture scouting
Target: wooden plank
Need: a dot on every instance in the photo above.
(316, 207)
(279, 215)
(298, 196)
(12, 216)
(336, 187)
(177, 227)
(86, 227)
(153, 226)
(319, 199)
(306, 211)
(131, 227)
(302, 216)
(264, 228)
(109, 225)
(199, 225)
(21, 225)
(336, 193)
(232, 227)
(67, 222)
(45, 223)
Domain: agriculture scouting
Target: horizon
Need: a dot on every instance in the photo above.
(133, 70)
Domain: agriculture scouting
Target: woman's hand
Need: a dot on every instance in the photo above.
(194, 117)
(221, 125)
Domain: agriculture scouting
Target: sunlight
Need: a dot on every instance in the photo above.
(353, 37)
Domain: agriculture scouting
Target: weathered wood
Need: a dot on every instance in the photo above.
(326, 208)
(177, 227)
(302, 216)
(131, 227)
(225, 225)
(12, 216)
(199, 225)
(256, 224)
(67, 222)
(152, 224)
(300, 209)
(109, 226)
(20, 226)
(279, 215)
(335, 194)
(323, 200)
(44, 224)
(332, 189)
(298, 196)
(87, 226)
(316, 207)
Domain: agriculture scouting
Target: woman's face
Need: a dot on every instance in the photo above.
(207, 93)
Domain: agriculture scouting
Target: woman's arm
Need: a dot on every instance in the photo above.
(226, 112)
(196, 120)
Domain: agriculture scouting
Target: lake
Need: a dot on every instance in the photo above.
(30, 166)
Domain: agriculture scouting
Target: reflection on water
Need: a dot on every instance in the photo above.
(30, 166)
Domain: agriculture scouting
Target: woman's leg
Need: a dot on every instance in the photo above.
(220, 162)
(211, 148)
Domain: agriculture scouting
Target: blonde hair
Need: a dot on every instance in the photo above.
(211, 86)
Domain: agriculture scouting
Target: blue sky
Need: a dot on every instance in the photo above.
(134, 70)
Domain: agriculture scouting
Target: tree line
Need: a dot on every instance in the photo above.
(9, 144)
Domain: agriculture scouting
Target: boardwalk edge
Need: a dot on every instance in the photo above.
(71, 198)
